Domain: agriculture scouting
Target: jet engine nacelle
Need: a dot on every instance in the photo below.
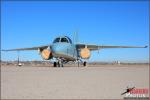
(46, 54)
(85, 53)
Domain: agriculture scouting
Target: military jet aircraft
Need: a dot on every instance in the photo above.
(64, 50)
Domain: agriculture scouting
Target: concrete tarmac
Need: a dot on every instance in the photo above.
(104, 82)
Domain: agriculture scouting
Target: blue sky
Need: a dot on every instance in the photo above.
(27, 24)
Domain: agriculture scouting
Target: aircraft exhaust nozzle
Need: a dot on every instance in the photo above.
(85, 53)
(46, 54)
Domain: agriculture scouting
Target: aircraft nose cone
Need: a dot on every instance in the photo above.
(55, 48)
(58, 48)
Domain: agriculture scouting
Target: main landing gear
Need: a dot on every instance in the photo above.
(84, 63)
(58, 64)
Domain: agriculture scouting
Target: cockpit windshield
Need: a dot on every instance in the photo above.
(56, 40)
(64, 39)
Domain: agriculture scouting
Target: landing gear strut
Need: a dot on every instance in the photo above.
(60, 63)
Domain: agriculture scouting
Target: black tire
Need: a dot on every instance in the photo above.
(84, 63)
(55, 64)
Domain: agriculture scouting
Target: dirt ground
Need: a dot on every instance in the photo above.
(104, 82)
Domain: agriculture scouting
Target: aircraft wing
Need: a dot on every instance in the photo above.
(32, 48)
(97, 47)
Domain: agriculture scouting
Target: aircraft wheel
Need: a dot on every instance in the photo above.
(55, 64)
(84, 63)
(58, 64)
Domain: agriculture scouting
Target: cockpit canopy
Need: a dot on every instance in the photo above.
(64, 39)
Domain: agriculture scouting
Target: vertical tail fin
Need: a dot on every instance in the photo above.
(75, 37)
